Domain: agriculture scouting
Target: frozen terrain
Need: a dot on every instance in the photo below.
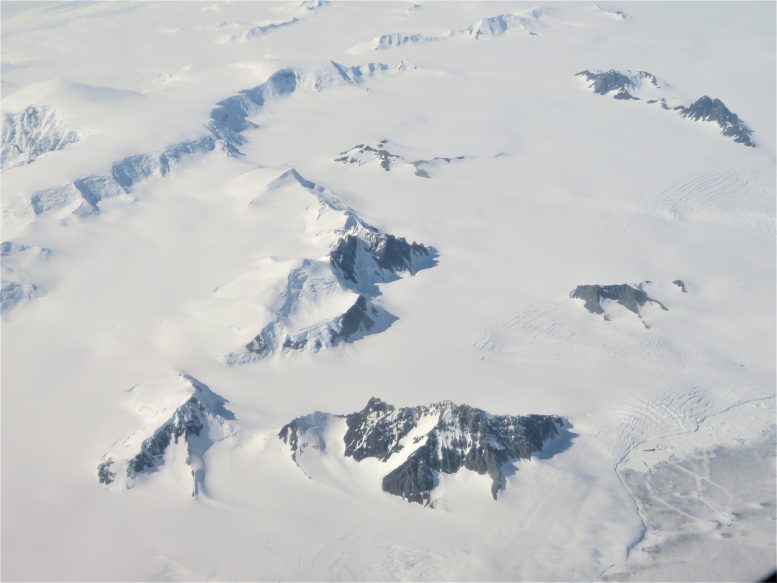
(536, 240)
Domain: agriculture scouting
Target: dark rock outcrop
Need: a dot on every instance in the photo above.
(385, 157)
(630, 297)
(707, 109)
(360, 153)
(603, 83)
(681, 284)
(376, 430)
(381, 256)
(458, 436)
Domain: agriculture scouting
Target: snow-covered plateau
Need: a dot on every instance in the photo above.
(388, 291)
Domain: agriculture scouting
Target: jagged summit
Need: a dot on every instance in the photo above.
(714, 110)
(630, 85)
(182, 410)
(441, 438)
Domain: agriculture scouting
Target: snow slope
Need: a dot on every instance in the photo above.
(210, 209)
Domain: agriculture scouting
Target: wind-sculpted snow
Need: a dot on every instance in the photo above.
(359, 257)
(185, 410)
(638, 85)
(17, 262)
(229, 120)
(31, 133)
(629, 296)
(441, 438)
(363, 153)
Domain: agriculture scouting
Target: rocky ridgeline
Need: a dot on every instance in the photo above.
(441, 438)
(199, 420)
(491, 26)
(618, 83)
(623, 85)
(225, 129)
(360, 257)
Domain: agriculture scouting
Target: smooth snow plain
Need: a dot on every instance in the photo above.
(670, 473)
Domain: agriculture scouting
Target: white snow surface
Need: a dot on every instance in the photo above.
(177, 269)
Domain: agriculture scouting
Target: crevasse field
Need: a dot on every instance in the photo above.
(208, 270)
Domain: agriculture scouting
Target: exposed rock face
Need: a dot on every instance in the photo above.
(376, 430)
(365, 253)
(630, 297)
(617, 82)
(681, 284)
(502, 23)
(199, 421)
(359, 153)
(708, 109)
(298, 433)
(444, 438)
(31, 133)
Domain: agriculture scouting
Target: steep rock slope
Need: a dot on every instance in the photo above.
(325, 302)
(441, 438)
(181, 411)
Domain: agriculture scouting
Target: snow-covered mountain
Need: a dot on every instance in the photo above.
(186, 411)
(631, 85)
(364, 154)
(538, 241)
(329, 301)
(428, 440)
